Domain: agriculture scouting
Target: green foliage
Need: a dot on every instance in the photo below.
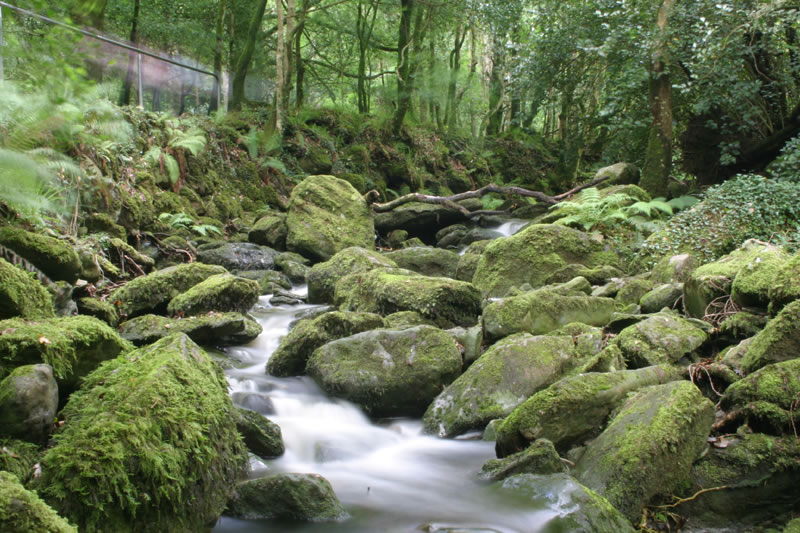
(184, 221)
(192, 140)
(787, 165)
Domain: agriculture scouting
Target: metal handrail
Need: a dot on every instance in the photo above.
(110, 41)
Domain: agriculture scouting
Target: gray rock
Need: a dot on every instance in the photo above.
(237, 255)
(28, 403)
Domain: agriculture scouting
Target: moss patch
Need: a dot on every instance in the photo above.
(218, 293)
(21, 295)
(21, 510)
(323, 276)
(778, 341)
(214, 329)
(56, 258)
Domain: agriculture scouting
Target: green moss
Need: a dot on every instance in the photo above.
(219, 293)
(778, 341)
(426, 261)
(100, 309)
(214, 329)
(756, 278)
(786, 284)
(540, 458)
(269, 230)
(55, 257)
(21, 510)
(18, 457)
(149, 443)
(742, 325)
(661, 339)
(103, 223)
(153, 292)
(261, 436)
(73, 346)
(633, 290)
(22, 295)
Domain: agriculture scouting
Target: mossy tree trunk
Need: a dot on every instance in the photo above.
(404, 82)
(125, 95)
(658, 160)
(455, 66)
(216, 99)
(243, 64)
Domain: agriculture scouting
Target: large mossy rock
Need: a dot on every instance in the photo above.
(385, 291)
(327, 215)
(22, 511)
(21, 295)
(502, 378)
(212, 329)
(785, 286)
(542, 311)
(540, 458)
(262, 436)
(152, 293)
(574, 408)
(533, 255)
(649, 447)
(418, 219)
(300, 497)
(778, 341)
(766, 399)
(426, 261)
(388, 372)
(72, 346)
(236, 256)
(323, 276)
(54, 257)
(219, 293)
(578, 508)
(468, 261)
(149, 444)
(19, 457)
(28, 403)
(715, 280)
(269, 230)
(290, 358)
(660, 339)
(759, 474)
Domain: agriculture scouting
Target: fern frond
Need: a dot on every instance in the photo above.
(272, 162)
(683, 202)
(173, 170)
(194, 140)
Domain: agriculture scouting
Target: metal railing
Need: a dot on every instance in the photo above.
(139, 51)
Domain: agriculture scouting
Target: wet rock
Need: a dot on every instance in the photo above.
(649, 447)
(218, 293)
(28, 403)
(385, 291)
(54, 257)
(502, 378)
(539, 458)
(470, 341)
(295, 266)
(533, 255)
(268, 280)
(778, 341)
(418, 219)
(21, 510)
(152, 293)
(388, 372)
(468, 261)
(21, 295)
(237, 256)
(261, 436)
(426, 261)
(326, 215)
(659, 339)
(323, 276)
(170, 397)
(301, 497)
(290, 358)
(269, 230)
(286, 298)
(573, 409)
(213, 329)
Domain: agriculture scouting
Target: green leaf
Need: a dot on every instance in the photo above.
(173, 171)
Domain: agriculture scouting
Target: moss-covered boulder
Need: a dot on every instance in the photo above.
(573, 409)
(152, 293)
(502, 378)
(778, 341)
(649, 447)
(268, 280)
(759, 473)
(418, 219)
(468, 261)
(300, 497)
(149, 444)
(295, 266)
(21, 295)
(741, 325)
(22, 511)
(785, 286)
(596, 275)
(261, 436)
(542, 311)
(674, 269)
(767, 399)
(406, 319)
(388, 372)
(100, 309)
(270, 230)
(540, 458)
(103, 223)
(427, 261)
(327, 215)
(56, 258)
(533, 255)
(666, 295)
(237, 256)
(219, 293)
(793, 526)
(385, 291)
(290, 358)
(578, 508)
(72, 346)
(28, 403)
(212, 329)
(752, 284)
(631, 291)
(323, 276)
(19, 457)
(715, 280)
(662, 338)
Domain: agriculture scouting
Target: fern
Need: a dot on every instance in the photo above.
(275, 163)
(193, 140)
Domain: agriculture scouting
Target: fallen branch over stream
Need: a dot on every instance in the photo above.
(452, 201)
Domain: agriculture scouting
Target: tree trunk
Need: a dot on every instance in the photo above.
(496, 87)
(125, 95)
(658, 160)
(290, 22)
(243, 64)
(455, 67)
(300, 68)
(404, 85)
(279, 69)
(215, 97)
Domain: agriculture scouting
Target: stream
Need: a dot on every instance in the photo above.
(387, 474)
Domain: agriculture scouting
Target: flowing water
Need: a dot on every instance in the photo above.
(389, 476)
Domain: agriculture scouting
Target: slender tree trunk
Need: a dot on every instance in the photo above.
(404, 85)
(290, 22)
(125, 95)
(658, 160)
(216, 99)
(300, 68)
(496, 86)
(243, 64)
(280, 63)
(455, 67)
